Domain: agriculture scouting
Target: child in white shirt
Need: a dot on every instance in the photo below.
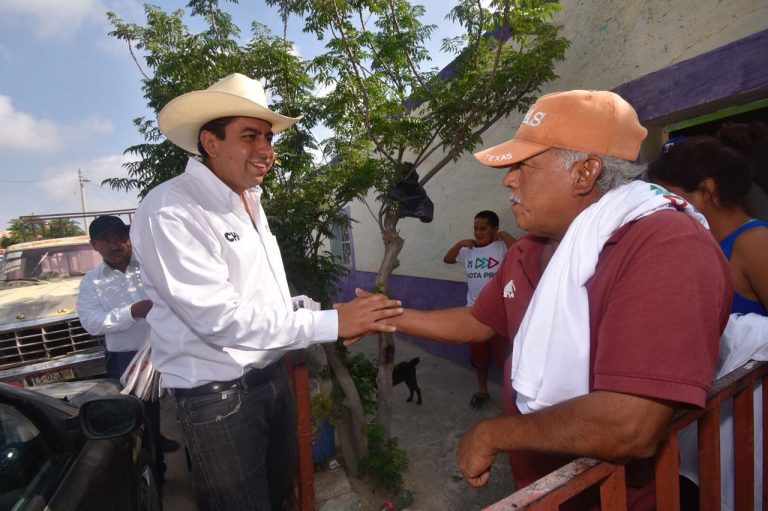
(481, 257)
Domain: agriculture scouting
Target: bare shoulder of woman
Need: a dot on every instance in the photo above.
(749, 257)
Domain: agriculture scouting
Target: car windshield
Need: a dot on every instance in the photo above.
(48, 263)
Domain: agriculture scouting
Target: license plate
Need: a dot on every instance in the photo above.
(53, 376)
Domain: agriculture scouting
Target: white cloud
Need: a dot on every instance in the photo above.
(112, 46)
(83, 129)
(54, 18)
(21, 131)
(324, 89)
(62, 186)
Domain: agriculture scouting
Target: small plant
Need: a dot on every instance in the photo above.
(386, 462)
(363, 372)
(320, 407)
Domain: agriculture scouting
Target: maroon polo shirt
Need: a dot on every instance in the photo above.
(658, 302)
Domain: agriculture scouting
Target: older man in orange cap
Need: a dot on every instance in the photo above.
(615, 299)
(223, 317)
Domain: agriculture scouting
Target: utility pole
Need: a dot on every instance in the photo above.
(82, 180)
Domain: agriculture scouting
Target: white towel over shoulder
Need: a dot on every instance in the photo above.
(550, 355)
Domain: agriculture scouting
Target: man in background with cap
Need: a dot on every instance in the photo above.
(223, 317)
(111, 302)
(615, 299)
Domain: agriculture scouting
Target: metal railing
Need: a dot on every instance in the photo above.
(557, 487)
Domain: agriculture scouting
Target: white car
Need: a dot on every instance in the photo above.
(41, 338)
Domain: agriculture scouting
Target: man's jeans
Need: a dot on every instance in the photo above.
(117, 362)
(242, 444)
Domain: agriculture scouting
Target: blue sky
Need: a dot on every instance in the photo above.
(69, 91)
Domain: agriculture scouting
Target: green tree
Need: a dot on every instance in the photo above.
(304, 199)
(17, 229)
(30, 228)
(390, 117)
(405, 119)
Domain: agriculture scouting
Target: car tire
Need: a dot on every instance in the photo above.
(148, 498)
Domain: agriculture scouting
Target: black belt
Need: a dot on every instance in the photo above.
(251, 378)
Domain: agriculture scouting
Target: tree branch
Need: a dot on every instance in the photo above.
(415, 71)
(363, 91)
(460, 145)
(500, 44)
(133, 56)
(390, 72)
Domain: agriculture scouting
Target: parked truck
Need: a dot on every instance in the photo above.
(41, 338)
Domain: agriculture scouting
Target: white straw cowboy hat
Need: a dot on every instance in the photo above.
(235, 95)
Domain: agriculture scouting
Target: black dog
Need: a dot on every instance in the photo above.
(406, 371)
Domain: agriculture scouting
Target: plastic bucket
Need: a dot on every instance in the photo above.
(323, 441)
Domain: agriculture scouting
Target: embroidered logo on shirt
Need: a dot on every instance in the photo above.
(231, 236)
(509, 289)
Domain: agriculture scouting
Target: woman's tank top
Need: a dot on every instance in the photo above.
(740, 303)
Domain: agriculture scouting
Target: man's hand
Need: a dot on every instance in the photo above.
(475, 457)
(601, 424)
(141, 309)
(366, 314)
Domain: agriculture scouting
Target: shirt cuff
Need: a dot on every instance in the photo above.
(125, 318)
(326, 326)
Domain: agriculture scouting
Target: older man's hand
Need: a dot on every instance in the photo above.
(366, 314)
(474, 456)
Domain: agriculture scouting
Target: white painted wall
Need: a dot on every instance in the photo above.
(612, 42)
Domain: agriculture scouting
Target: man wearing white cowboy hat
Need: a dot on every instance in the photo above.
(615, 299)
(222, 317)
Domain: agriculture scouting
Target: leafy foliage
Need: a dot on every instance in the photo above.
(321, 407)
(386, 461)
(375, 51)
(363, 373)
(37, 228)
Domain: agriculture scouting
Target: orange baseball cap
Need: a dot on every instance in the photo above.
(597, 122)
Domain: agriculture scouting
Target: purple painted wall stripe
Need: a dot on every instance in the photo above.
(732, 69)
(425, 294)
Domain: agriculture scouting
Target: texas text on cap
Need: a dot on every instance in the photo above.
(103, 224)
(596, 122)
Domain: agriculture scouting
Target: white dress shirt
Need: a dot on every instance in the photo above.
(221, 299)
(104, 306)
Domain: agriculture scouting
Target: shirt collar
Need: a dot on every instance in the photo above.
(110, 273)
(220, 191)
(530, 251)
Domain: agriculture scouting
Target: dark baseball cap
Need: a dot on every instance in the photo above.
(103, 224)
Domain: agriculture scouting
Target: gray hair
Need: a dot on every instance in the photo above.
(616, 172)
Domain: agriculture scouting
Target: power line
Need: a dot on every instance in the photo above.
(121, 194)
(36, 181)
